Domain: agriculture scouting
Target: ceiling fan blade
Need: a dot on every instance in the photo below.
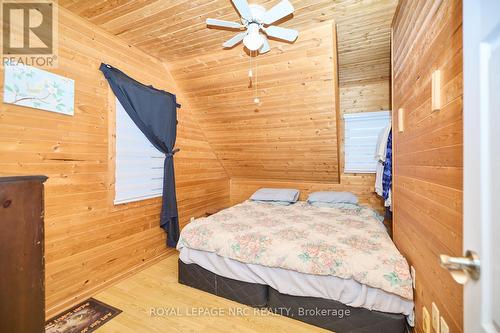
(243, 9)
(283, 9)
(282, 33)
(224, 24)
(265, 46)
(235, 40)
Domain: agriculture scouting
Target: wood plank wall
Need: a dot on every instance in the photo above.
(428, 160)
(89, 242)
(195, 54)
(293, 134)
(294, 138)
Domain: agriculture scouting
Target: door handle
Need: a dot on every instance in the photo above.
(462, 268)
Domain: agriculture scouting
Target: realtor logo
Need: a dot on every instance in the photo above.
(29, 32)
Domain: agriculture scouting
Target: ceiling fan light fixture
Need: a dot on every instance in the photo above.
(254, 20)
(253, 40)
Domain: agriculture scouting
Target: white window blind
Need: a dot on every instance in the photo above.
(139, 165)
(361, 134)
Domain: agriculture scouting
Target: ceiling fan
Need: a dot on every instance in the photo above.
(255, 18)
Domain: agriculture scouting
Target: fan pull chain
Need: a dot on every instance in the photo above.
(256, 99)
(250, 73)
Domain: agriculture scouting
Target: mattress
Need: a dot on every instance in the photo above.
(345, 243)
(346, 291)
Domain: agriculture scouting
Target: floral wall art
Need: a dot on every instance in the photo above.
(39, 89)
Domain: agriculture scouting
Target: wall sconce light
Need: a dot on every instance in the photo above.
(436, 90)
(401, 120)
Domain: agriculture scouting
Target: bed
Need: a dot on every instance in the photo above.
(304, 259)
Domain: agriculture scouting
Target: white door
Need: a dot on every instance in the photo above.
(481, 33)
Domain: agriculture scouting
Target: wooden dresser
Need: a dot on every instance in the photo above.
(22, 292)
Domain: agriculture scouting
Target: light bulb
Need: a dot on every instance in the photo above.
(253, 40)
(250, 73)
(256, 100)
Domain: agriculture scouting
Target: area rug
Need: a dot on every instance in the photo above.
(85, 317)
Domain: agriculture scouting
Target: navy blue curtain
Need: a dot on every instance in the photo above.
(154, 111)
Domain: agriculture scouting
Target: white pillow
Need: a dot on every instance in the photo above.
(341, 205)
(276, 194)
(332, 197)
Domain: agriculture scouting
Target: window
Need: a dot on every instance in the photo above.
(139, 165)
(361, 134)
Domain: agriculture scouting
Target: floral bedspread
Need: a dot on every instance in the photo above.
(346, 243)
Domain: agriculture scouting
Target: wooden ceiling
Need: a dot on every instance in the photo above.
(293, 135)
(175, 29)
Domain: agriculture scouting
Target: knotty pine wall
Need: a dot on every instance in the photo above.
(91, 243)
(428, 160)
(296, 136)
(269, 145)
(293, 133)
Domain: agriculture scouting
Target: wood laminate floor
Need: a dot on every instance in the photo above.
(153, 301)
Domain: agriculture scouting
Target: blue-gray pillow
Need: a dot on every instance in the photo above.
(332, 197)
(276, 194)
(341, 205)
(276, 203)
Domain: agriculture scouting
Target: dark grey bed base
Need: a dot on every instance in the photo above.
(328, 314)
(252, 294)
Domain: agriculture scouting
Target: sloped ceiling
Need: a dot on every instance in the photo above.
(294, 133)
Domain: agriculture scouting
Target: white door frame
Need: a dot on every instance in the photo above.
(479, 152)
